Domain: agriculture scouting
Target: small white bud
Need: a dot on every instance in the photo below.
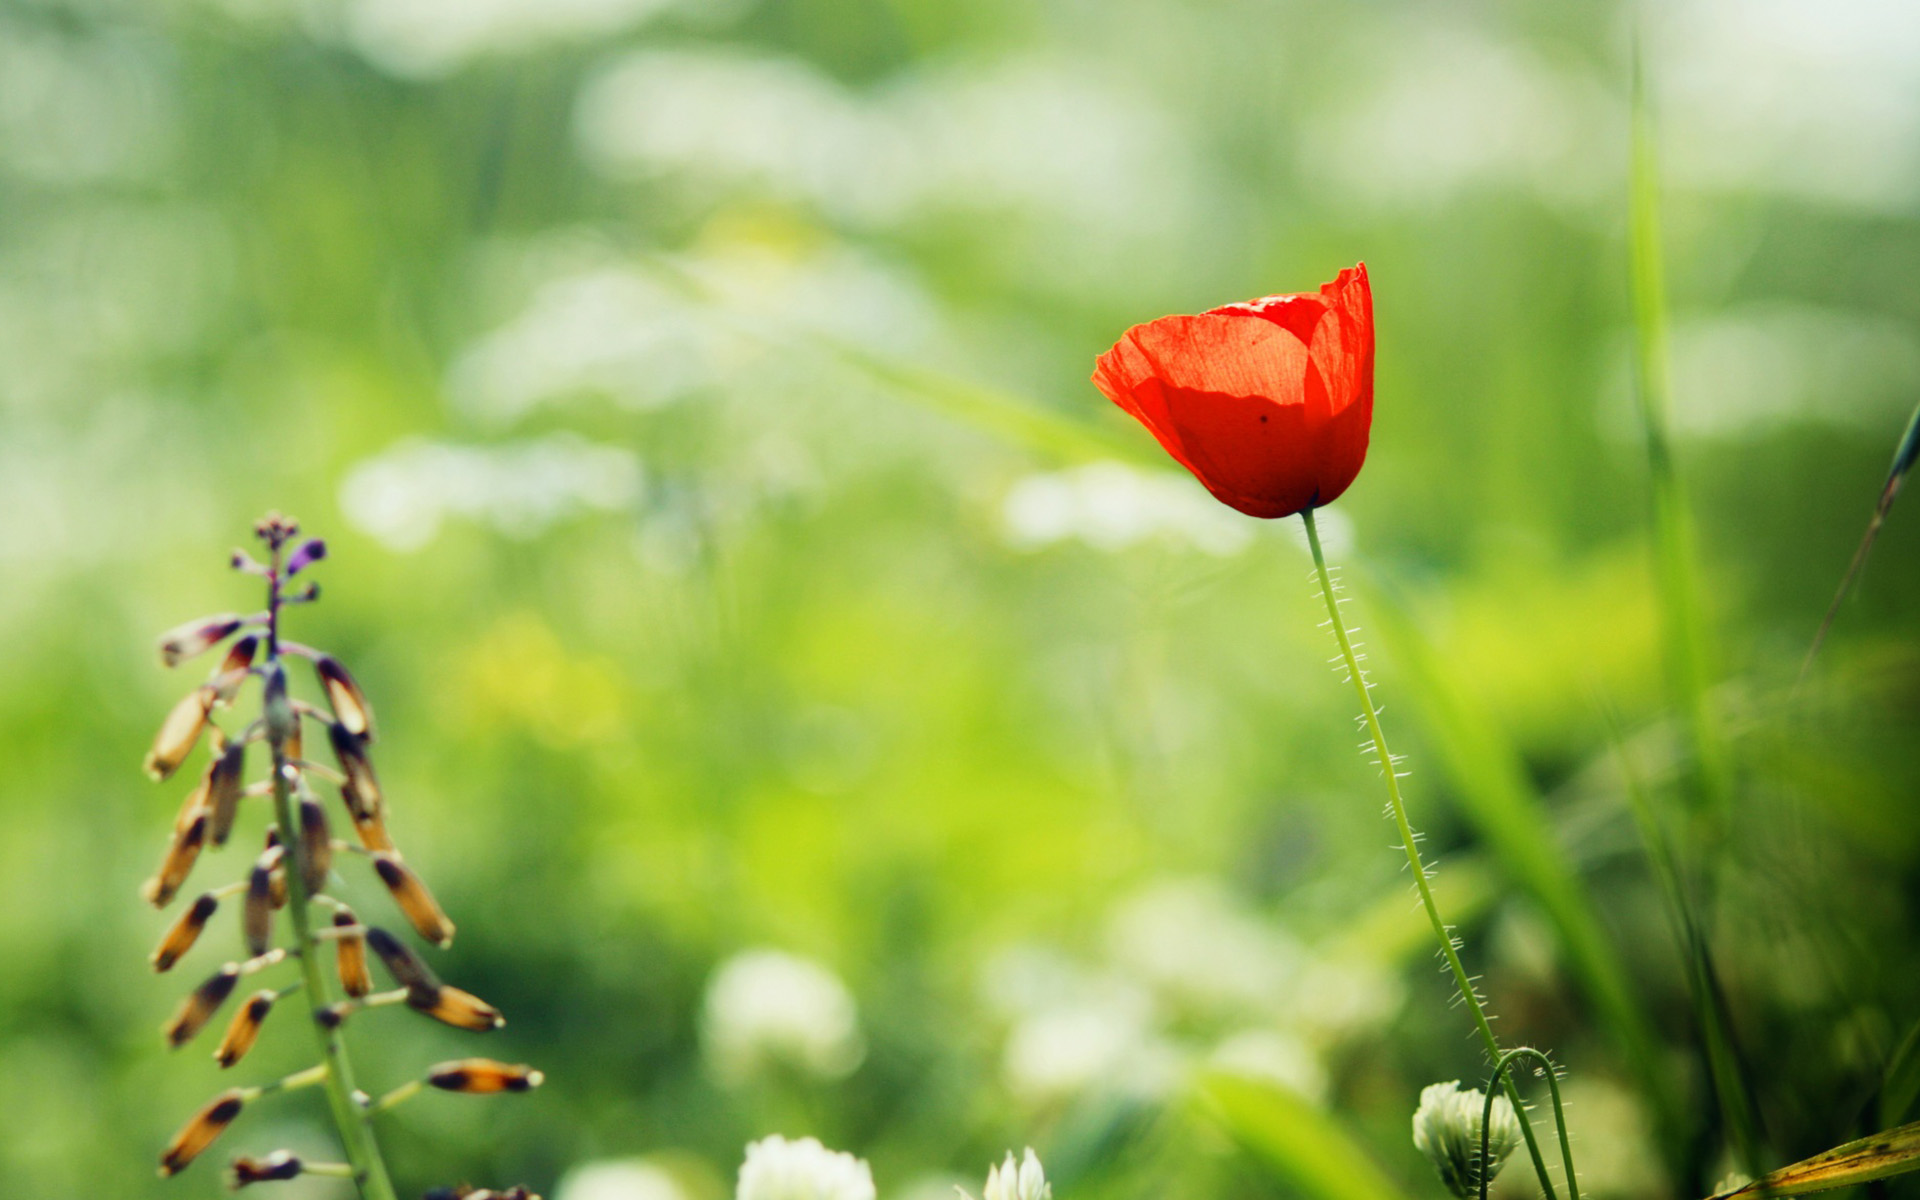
(1446, 1128)
(1025, 1180)
(777, 1169)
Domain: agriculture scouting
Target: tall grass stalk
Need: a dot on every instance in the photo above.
(1397, 808)
(1682, 612)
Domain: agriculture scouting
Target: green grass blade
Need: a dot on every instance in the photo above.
(1496, 795)
(1725, 1065)
(1900, 1085)
(1903, 459)
(1877, 1156)
(1300, 1143)
(1676, 558)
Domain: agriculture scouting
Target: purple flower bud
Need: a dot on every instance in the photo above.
(309, 552)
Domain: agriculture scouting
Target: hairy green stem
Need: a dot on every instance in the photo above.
(356, 1133)
(1500, 1071)
(1398, 807)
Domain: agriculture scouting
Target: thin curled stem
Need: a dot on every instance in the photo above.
(1500, 1069)
(1398, 807)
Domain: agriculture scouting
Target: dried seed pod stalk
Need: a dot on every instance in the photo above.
(289, 875)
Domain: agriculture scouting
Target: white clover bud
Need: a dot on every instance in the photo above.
(1446, 1128)
(1024, 1180)
(766, 1009)
(777, 1169)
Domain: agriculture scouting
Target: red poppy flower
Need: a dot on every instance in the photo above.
(1268, 403)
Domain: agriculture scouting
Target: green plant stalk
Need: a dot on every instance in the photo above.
(356, 1135)
(356, 1131)
(1398, 807)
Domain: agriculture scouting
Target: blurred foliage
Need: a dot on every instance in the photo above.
(693, 393)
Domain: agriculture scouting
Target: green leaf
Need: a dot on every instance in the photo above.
(1893, 1152)
(1299, 1142)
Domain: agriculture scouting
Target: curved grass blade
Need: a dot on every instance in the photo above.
(1297, 1141)
(1903, 460)
(1877, 1156)
(1900, 1086)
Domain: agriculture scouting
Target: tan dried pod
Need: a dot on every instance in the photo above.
(401, 962)
(245, 1029)
(277, 1167)
(316, 845)
(191, 807)
(200, 1131)
(350, 956)
(194, 638)
(182, 852)
(415, 901)
(184, 932)
(178, 735)
(362, 790)
(200, 1005)
(233, 672)
(372, 827)
(483, 1076)
(451, 1006)
(349, 703)
(223, 787)
(256, 916)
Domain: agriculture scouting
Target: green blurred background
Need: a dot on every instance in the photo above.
(823, 713)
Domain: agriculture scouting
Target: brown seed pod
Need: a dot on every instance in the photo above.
(349, 703)
(182, 642)
(200, 1005)
(223, 786)
(256, 916)
(184, 932)
(372, 827)
(182, 852)
(316, 845)
(179, 733)
(245, 1029)
(277, 1167)
(415, 901)
(362, 789)
(483, 1076)
(401, 963)
(451, 1006)
(350, 956)
(198, 1133)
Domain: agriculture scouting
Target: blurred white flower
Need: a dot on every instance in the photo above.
(1025, 1180)
(1734, 78)
(1275, 1057)
(1107, 1039)
(1753, 370)
(427, 38)
(1042, 138)
(1111, 506)
(1446, 1128)
(642, 340)
(766, 1008)
(1193, 942)
(625, 1179)
(1612, 1135)
(777, 1169)
(402, 495)
(1445, 110)
(1345, 997)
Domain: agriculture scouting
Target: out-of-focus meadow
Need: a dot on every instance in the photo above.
(823, 713)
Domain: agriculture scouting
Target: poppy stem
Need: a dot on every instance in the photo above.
(1397, 805)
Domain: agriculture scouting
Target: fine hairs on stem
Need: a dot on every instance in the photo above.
(1449, 948)
(295, 876)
